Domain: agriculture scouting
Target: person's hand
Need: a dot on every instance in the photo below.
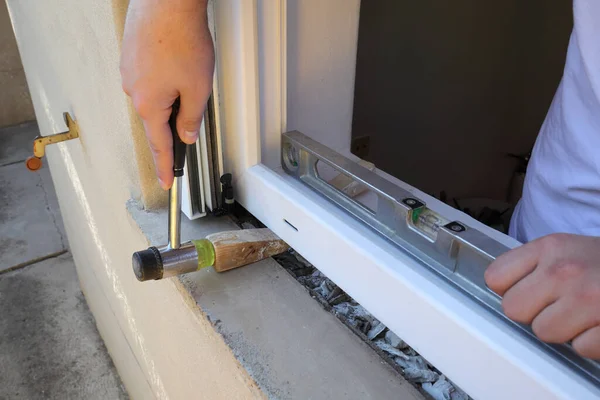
(553, 283)
(167, 52)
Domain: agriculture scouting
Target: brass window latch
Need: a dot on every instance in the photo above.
(34, 162)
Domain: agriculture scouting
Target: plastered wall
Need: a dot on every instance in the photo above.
(162, 346)
(15, 103)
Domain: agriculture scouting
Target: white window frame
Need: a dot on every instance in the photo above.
(476, 350)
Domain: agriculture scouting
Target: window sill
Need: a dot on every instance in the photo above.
(284, 339)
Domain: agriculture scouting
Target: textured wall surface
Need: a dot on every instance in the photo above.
(162, 346)
(15, 103)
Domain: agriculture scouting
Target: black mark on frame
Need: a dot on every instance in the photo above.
(287, 222)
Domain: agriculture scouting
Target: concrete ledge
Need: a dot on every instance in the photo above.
(287, 343)
(161, 343)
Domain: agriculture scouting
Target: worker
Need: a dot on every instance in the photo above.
(552, 282)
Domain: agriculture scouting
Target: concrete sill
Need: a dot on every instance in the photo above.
(289, 345)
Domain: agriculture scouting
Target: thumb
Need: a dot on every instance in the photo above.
(189, 118)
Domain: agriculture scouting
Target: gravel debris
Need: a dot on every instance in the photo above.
(353, 311)
(416, 369)
(248, 225)
(394, 340)
(303, 260)
(444, 390)
(302, 272)
(340, 298)
(392, 348)
(325, 288)
(376, 331)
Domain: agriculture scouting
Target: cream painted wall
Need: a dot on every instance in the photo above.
(15, 103)
(162, 345)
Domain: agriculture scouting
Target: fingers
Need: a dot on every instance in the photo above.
(564, 320)
(155, 112)
(588, 343)
(511, 267)
(161, 144)
(553, 283)
(155, 116)
(190, 115)
(529, 296)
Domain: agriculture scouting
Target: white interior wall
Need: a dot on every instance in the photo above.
(321, 60)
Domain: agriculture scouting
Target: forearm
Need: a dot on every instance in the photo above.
(183, 5)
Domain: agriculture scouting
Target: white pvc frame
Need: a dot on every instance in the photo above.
(473, 348)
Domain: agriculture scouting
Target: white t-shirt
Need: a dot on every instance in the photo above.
(562, 185)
